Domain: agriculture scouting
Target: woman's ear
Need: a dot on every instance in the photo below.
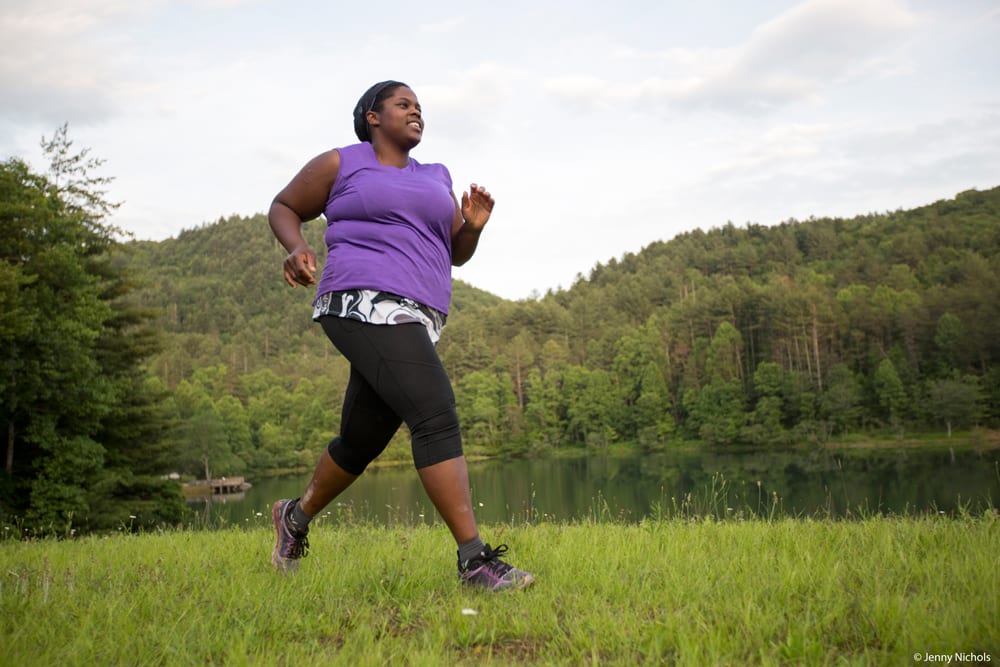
(372, 118)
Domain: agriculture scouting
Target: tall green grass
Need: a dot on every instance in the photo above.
(677, 590)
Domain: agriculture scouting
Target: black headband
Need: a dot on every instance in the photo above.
(366, 104)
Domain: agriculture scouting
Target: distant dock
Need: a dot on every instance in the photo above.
(217, 487)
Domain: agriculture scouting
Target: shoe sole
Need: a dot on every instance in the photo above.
(282, 565)
(525, 583)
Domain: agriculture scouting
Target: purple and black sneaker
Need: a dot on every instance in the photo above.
(290, 545)
(488, 571)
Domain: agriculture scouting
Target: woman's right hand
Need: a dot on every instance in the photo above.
(300, 267)
(304, 198)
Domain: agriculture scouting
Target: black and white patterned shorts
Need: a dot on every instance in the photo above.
(377, 307)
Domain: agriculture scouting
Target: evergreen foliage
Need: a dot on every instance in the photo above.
(120, 362)
(81, 419)
(735, 336)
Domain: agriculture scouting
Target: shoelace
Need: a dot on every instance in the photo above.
(299, 547)
(491, 558)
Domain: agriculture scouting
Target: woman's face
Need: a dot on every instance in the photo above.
(399, 119)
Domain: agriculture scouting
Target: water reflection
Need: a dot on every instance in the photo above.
(769, 483)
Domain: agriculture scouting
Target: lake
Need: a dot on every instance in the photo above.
(835, 483)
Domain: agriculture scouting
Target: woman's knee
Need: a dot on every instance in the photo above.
(352, 459)
(436, 437)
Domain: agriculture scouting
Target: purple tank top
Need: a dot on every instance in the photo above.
(389, 229)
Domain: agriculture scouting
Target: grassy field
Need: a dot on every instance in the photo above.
(871, 591)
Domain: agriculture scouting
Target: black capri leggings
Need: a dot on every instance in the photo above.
(396, 377)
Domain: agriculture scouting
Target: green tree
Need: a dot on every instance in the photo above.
(654, 410)
(725, 354)
(482, 399)
(592, 406)
(72, 394)
(716, 409)
(890, 393)
(955, 402)
(715, 412)
(948, 336)
(764, 423)
(543, 423)
(201, 430)
(840, 403)
(236, 426)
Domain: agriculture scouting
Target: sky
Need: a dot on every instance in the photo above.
(599, 127)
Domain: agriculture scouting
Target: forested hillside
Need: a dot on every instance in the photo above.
(123, 361)
(800, 332)
(253, 382)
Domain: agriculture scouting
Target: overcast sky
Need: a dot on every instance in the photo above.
(600, 127)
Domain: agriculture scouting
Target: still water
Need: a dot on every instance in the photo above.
(764, 483)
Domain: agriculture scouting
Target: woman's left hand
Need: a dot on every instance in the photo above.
(477, 205)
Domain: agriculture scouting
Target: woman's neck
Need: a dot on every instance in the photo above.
(389, 155)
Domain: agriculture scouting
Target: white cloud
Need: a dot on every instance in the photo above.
(778, 146)
(212, 5)
(988, 15)
(924, 143)
(53, 65)
(788, 59)
(793, 56)
(617, 129)
(593, 92)
(443, 27)
(823, 38)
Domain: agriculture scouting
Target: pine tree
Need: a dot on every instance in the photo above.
(76, 407)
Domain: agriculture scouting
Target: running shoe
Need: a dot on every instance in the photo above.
(290, 545)
(487, 571)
